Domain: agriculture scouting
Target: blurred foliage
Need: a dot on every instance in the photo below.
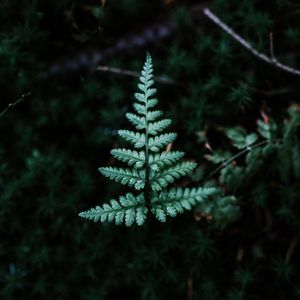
(53, 142)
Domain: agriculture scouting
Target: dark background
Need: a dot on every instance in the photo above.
(54, 141)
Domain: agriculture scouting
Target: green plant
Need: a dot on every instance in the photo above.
(152, 169)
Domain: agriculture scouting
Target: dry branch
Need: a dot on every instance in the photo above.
(268, 59)
(161, 79)
(10, 105)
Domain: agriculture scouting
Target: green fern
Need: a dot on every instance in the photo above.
(129, 208)
(151, 169)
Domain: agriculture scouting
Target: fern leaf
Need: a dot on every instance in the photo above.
(161, 160)
(148, 92)
(153, 115)
(141, 215)
(138, 122)
(157, 142)
(140, 108)
(236, 134)
(131, 157)
(129, 209)
(159, 212)
(177, 200)
(162, 179)
(132, 177)
(136, 138)
(239, 137)
(156, 127)
(152, 102)
(140, 97)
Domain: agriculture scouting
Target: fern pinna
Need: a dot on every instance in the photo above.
(151, 168)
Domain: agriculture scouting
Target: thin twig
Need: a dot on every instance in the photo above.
(271, 92)
(270, 60)
(10, 105)
(161, 79)
(231, 159)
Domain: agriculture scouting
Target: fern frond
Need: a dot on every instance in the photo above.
(131, 157)
(129, 209)
(162, 179)
(132, 177)
(153, 169)
(136, 138)
(156, 127)
(157, 142)
(161, 160)
(138, 122)
(176, 200)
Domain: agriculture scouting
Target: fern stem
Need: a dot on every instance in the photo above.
(147, 168)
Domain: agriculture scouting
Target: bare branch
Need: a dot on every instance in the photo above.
(10, 105)
(270, 60)
(161, 79)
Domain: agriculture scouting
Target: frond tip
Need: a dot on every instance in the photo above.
(129, 209)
